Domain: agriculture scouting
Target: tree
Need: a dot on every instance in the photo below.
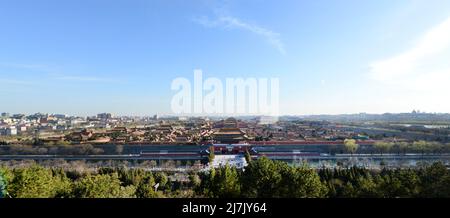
(383, 147)
(102, 186)
(194, 180)
(420, 146)
(300, 182)
(37, 182)
(261, 179)
(132, 176)
(2, 185)
(146, 188)
(248, 156)
(170, 164)
(211, 154)
(350, 145)
(348, 190)
(435, 181)
(402, 147)
(366, 187)
(153, 164)
(399, 183)
(161, 178)
(225, 183)
(435, 147)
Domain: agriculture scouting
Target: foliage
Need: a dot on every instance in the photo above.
(248, 156)
(350, 145)
(262, 178)
(211, 154)
(383, 147)
(38, 182)
(3, 184)
(222, 183)
(435, 181)
(102, 186)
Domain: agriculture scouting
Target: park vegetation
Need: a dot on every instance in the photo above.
(349, 146)
(62, 148)
(262, 178)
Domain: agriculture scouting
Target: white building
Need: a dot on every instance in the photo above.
(22, 128)
(11, 130)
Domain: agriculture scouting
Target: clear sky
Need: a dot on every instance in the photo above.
(331, 56)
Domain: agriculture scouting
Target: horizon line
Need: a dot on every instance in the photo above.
(226, 115)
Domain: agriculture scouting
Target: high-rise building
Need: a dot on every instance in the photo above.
(104, 116)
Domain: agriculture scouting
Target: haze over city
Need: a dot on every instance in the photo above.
(333, 57)
(224, 107)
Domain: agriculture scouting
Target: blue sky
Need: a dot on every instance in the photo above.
(331, 56)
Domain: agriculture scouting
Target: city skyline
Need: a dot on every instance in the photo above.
(331, 57)
(221, 116)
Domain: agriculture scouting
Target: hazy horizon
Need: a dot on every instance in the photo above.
(211, 115)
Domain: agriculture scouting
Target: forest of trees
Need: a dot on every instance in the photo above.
(262, 178)
(349, 146)
(52, 149)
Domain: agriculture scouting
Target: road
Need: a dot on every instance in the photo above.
(272, 155)
(95, 157)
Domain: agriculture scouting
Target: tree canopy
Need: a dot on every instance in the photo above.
(262, 178)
